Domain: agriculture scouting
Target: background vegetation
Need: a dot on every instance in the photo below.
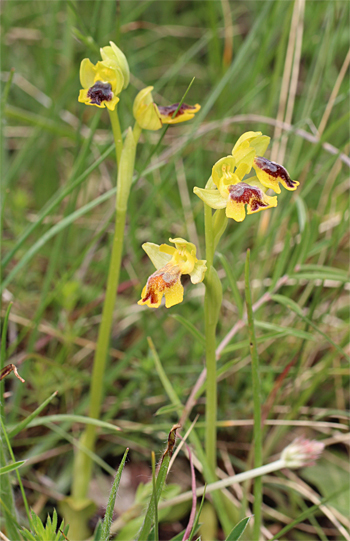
(256, 64)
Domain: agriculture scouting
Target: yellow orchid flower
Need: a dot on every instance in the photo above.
(227, 187)
(101, 84)
(171, 263)
(152, 117)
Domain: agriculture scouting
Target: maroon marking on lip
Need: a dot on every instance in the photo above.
(159, 281)
(169, 110)
(100, 92)
(274, 170)
(246, 194)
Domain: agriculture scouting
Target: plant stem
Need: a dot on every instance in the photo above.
(212, 304)
(83, 464)
(257, 405)
(117, 134)
(211, 392)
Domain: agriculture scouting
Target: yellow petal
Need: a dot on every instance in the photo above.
(245, 139)
(87, 73)
(235, 210)
(174, 295)
(112, 104)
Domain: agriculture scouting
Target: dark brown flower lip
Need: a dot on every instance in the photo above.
(275, 170)
(169, 110)
(246, 194)
(100, 92)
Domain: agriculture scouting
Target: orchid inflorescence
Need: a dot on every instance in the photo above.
(102, 83)
(230, 188)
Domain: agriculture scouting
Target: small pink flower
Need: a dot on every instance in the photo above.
(302, 452)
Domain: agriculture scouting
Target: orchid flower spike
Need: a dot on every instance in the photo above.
(229, 188)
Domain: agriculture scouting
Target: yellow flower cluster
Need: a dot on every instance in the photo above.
(227, 187)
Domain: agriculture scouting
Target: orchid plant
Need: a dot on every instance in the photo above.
(238, 186)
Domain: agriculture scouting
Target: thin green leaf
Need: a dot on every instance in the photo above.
(233, 284)
(106, 526)
(23, 424)
(285, 330)
(296, 308)
(62, 417)
(150, 514)
(191, 328)
(238, 530)
(162, 375)
(165, 410)
(11, 467)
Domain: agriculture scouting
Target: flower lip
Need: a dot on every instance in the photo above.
(246, 194)
(100, 92)
(276, 171)
(169, 110)
(165, 281)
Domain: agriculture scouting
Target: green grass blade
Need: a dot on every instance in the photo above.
(63, 417)
(150, 513)
(191, 328)
(55, 200)
(233, 284)
(238, 530)
(289, 303)
(11, 467)
(106, 526)
(23, 424)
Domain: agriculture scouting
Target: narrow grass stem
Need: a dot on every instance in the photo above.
(257, 405)
(83, 463)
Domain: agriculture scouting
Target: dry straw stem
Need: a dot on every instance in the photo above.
(294, 77)
(286, 79)
(308, 493)
(334, 94)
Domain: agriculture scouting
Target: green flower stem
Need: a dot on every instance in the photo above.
(212, 305)
(83, 464)
(117, 134)
(257, 405)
